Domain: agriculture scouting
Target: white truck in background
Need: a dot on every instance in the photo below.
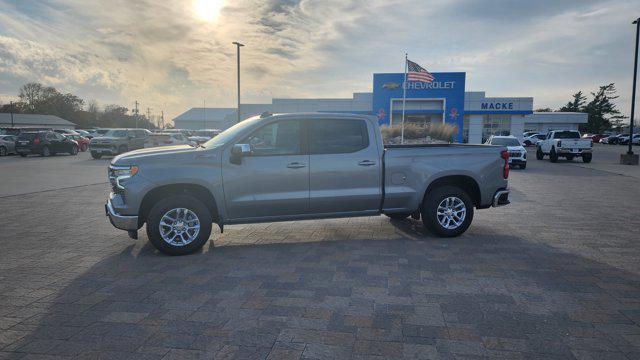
(564, 143)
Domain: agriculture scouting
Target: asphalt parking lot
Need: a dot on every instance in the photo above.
(556, 274)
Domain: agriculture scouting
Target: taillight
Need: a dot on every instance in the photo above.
(36, 141)
(505, 167)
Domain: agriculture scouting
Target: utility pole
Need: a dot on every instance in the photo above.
(135, 112)
(11, 111)
(162, 118)
(149, 115)
(238, 45)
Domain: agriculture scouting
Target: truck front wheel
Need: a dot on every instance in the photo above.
(179, 225)
(539, 153)
(586, 158)
(447, 211)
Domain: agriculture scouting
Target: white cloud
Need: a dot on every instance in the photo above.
(164, 55)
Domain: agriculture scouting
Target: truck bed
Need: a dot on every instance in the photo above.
(408, 169)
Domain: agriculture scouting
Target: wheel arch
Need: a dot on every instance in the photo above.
(465, 182)
(197, 191)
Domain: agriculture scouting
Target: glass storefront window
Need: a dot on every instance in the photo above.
(494, 124)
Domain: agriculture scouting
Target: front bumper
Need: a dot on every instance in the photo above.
(122, 222)
(501, 198)
(515, 161)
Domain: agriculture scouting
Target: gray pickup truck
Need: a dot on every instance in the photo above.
(300, 166)
(118, 141)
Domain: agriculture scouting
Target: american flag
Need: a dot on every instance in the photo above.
(416, 72)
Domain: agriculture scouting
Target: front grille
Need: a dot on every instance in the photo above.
(514, 154)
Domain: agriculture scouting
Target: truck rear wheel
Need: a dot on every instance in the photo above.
(539, 153)
(179, 225)
(447, 211)
(553, 156)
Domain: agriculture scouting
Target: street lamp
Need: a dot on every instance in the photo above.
(238, 45)
(630, 158)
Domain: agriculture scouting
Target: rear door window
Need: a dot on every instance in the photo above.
(337, 136)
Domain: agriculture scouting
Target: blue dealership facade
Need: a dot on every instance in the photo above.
(443, 100)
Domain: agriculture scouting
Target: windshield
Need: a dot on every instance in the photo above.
(566, 135)
(505, 141)
(116, 133)
(230, 133)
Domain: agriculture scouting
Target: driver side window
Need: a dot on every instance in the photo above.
(278, 138)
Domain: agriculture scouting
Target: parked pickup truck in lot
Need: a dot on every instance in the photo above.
(118, 141)
(300, 166)
(564, 143)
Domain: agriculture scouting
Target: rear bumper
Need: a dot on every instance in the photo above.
(122, 222)
(501, 198)
(574, 152)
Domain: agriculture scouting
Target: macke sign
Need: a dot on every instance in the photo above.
(496, 106)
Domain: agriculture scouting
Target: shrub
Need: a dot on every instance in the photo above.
(415, 132)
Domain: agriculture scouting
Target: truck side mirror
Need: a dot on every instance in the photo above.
(238, 151)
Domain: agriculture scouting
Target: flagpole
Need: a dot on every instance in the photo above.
(404, 97)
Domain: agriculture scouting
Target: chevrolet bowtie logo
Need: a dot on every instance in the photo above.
(391, 86)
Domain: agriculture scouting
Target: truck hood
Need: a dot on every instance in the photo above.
(142, 154)
(515, 148)
(106, 139)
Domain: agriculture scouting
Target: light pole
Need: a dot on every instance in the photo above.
(238, 45)
(11, 111)
(633, 92)
(629, 158)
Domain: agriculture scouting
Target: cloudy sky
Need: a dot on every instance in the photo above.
(174, 54)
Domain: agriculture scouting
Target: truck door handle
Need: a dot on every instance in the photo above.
(296, 165)
(366, 163)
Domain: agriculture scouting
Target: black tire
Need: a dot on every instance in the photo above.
(122, 149)
(45, 151)
(23, 154)
(553, 156)
(430, 208)
(96, 155)
(83, 148)
(398, 216)
(178, 201)
(539, 153)
(3, 151)
(523, 166)
(74, 150)
(586, 158)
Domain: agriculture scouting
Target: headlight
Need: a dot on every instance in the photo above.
(119, 174)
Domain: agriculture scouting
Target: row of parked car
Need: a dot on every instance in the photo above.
(99, 142)
(532, 138)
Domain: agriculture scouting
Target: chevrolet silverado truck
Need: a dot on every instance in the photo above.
(564, 143)
(300, 166)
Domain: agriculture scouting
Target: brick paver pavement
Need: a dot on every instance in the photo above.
(554, 275)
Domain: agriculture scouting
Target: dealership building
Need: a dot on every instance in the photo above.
(476, 115)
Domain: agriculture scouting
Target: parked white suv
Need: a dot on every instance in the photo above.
(517, 152)
(564, 143)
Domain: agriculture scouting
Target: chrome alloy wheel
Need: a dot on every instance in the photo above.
(179, 227)
(451, 212)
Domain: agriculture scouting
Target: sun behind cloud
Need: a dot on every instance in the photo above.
(208, 10)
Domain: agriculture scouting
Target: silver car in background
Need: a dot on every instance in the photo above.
(7, 144)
